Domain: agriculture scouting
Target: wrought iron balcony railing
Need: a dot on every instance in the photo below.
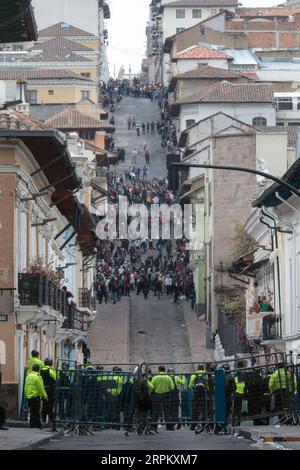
(37, 290)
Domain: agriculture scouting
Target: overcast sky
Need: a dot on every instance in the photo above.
(127, 31)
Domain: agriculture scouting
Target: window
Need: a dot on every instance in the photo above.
(86, 74)
(202, 30)
(259, 121)
(50, 92)
(197, 13)
(189, 122)
(284, 103)
(87, 134)
(213, 11)
(32, 96)
(180, 13)
(179, 30)
(85, 95)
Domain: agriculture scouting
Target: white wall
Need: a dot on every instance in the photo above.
(244, 112)
(80, 13)
(171, 23)
(185, 65)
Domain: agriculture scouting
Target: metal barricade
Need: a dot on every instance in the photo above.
(96, 396)
(220, 396)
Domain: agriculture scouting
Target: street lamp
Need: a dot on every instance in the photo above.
(280, 181)
(238, 168)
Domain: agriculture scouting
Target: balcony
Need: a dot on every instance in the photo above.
(40, 299)
(261, 326)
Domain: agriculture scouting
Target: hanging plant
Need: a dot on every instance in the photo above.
(38, 265)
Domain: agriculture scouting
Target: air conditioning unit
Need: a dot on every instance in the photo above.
(291, 19)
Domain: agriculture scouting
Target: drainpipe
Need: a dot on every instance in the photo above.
(276, 270)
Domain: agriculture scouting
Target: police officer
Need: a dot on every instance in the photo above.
(35, 391)
(178, 381)
(280, 385)
(34, 360)
(238, 394)
(199, 385)
(161, 385)
(48, 375)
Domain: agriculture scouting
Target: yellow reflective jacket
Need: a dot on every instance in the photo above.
(34, 386)
(239, 386)
(31, 362)
(280, 380)
(162, 383)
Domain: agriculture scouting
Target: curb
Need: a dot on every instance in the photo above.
(187, 331)
(255, 436)
(45, 440)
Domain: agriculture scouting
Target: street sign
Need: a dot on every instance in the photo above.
(3, 317)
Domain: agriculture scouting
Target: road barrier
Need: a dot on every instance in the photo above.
(211, 398)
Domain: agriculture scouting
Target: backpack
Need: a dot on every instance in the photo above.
(200, 384)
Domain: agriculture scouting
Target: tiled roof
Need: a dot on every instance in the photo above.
(227, 92)
(57, 55)
(70, 118)
(202, 3)
(202, 53)
(207, 71)
(292, 131)
(257, 12)
(61, 43)
(58, 30)
(35, 74)
(13, 121)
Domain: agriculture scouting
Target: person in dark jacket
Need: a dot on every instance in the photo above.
(49, 378)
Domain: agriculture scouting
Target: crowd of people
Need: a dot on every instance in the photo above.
(111, 397)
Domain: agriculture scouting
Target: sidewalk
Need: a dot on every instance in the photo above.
(196, 333)
(271, 433)
(25, 438)
(108, 336)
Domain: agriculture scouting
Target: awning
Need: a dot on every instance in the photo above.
(17, 22)
(47, 146)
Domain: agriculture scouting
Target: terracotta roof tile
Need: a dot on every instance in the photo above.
(203, 3)
(13, 120)
(70, 118)
(60, 43)
(207, 71)
(57, 55)
(257, 12)
(58, 30)
(227, 92)
(35, 74)
(202, 53)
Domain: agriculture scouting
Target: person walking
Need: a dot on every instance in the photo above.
(129, 122)
(35, 391)
(143, 128)
(138, 129)
(152, 127)
(133, 122)
(147, 157)
(134, 155)
(148, 127)
(162, 385)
